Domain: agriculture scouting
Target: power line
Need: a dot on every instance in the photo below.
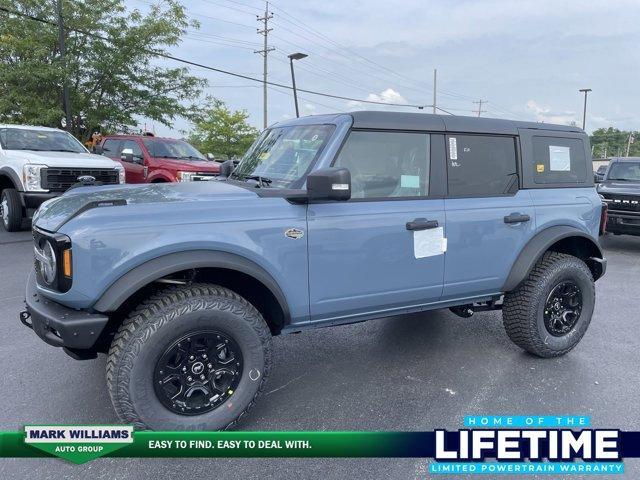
(214, 69)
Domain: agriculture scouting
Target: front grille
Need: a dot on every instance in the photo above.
(626, 203)
(60, 179)
(203, 177)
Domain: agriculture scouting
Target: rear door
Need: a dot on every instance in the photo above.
(489, 219)
(382, 251)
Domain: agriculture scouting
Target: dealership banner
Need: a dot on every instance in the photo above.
(487, 444)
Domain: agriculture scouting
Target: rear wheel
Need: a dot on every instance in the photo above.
(549, 313)
(11, 209)
(190, 358)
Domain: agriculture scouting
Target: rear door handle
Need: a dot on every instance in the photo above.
(517, 218)
(422, 224)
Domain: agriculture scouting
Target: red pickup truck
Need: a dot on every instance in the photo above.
(150, 159)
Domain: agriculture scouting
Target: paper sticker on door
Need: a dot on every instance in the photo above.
(428, 243)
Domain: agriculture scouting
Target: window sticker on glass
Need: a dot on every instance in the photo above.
(559, 158)
(453, 148)
(410, 181)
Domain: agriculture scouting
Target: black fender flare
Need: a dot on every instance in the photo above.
(120, 290)
(538, 245)
(11, 175)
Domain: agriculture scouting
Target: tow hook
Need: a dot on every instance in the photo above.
(463, 311)
(25, 319)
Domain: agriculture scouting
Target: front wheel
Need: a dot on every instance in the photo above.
(549, 313)
(189, 358)
(11, 209)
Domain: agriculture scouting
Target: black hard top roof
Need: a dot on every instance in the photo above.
(449, 123)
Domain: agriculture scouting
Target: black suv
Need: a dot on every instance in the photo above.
(620, 189)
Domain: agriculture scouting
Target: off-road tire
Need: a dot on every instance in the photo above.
(162, 319)
(523, 308)
(11, 199)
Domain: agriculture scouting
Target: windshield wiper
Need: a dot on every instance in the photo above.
(191, 157)
(262, 181)
(60, 150)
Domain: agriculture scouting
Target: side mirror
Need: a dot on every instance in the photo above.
(210, 157)
(98, 150)
(127, 155)
(329, 184)
(226, 168)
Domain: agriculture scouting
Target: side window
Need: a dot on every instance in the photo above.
(111, 147)
(481, 165)
(558, 160)
(133, 145)
(387, 164)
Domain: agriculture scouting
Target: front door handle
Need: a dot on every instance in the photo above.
(422, 224)
(517, 218)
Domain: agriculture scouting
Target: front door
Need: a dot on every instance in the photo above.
(135, 171)
(382, 251)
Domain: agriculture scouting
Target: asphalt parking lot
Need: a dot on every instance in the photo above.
(416, 372)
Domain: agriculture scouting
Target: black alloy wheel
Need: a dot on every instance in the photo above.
(198, 372)
(563, 308)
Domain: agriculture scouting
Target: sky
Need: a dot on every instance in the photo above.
(525, 59)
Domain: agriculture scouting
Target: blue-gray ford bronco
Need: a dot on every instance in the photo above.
(327, 220)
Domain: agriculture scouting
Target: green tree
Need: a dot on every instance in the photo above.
(113, 83)
(611, 142)
(223, 132)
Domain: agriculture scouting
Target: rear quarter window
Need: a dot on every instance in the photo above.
(558, 160)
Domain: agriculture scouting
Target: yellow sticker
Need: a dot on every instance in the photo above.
(264, 155)
(540, 168)
(39, 135)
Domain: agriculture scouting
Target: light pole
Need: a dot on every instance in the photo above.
(584, 111)
(292, 57)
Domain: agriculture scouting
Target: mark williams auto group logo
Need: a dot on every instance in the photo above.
(527, 446)
(78, 444)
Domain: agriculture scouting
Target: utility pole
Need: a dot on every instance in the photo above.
(65, 84)
(479, 103)
(264, 52)
(435, 76)
(584, 111)
(629, 142)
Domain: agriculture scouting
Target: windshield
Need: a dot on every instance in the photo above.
(166, 148)
(628, 171)
(283, 155)
(39, 140)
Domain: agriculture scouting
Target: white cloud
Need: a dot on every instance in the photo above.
(545, 114)
(388, 95)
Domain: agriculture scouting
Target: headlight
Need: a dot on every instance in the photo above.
(185, 176)
(53, 260)
(121, 175)
(31, 177)
(46, 261)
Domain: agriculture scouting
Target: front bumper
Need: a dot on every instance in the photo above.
(58, 325)
(623, 222)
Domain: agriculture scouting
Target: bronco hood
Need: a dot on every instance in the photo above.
(619, 188)
(56, 212)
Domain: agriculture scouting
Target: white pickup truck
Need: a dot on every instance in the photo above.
(39, 163)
